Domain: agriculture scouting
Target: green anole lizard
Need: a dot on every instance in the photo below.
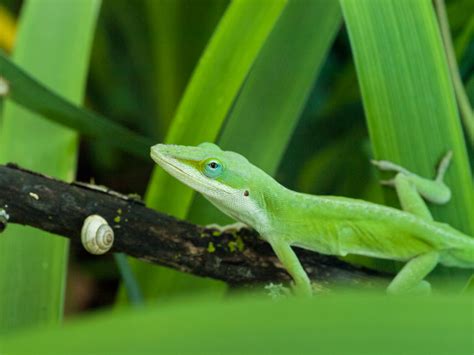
(327, 224)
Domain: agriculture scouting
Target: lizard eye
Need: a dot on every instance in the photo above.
(212, 168)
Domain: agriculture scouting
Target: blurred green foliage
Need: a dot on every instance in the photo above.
(331, 324)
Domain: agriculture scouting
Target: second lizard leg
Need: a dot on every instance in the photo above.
(411, 187)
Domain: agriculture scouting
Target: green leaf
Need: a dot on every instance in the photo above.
(349, 324)
(33, 264)
(408, 95)
(36, 97)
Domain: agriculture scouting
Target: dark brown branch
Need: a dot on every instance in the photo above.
(60, 208)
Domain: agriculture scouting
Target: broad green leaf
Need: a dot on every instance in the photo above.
(53, 44)
(335, 324)
(207, 100)
(38, 98)
(408, 95)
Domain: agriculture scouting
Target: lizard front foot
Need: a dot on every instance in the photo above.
(434, 190)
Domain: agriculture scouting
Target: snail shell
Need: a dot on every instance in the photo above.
(96, 235)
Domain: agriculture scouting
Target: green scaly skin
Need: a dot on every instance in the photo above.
(326, 224)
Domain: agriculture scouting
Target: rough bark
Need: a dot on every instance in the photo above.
(237, 258)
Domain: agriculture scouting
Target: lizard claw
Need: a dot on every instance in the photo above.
(389, 166)
(443, 165)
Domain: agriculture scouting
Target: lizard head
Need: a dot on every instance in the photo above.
(226, 179)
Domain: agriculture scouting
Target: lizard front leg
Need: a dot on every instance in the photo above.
(292, 264)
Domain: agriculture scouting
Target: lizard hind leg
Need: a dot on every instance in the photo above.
(410, 187)
(410, 278)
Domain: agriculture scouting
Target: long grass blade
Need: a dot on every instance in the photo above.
(33, 266)
(408, 95)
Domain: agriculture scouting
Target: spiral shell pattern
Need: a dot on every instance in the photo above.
(96, 235)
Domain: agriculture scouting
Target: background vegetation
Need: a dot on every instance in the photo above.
(309, 90)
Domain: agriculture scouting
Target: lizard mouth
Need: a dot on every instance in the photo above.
(172, 166)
